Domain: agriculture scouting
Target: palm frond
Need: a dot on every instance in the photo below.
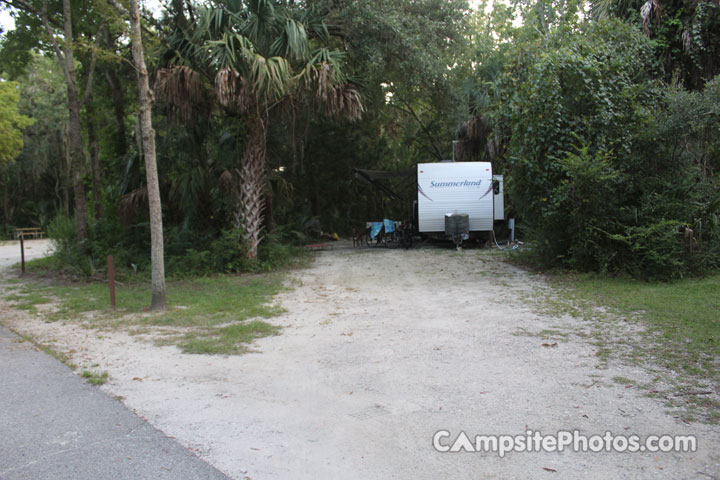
(603, 9)
(231, 50)
(211, 22)
(271, 77)
(325, 55)
(293, 41)
(131, 203)
(232, 90)
(261, 20)
(651, 10)
(687, 38)
(281, 188)
(313, 21)
(229, 182)
(189, 188)
(184, 92)
(341, 102)
(600, 9)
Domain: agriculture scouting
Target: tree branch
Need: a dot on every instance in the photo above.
(53, 41)
(124, 12)
(409, 110)
(29, 8)
(91, 71)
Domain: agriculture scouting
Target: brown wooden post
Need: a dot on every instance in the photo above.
(111, 280)
(22, 253)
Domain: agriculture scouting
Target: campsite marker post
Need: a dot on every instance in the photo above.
(22, 254)
(111, 280)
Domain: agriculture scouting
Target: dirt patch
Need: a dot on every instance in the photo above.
(379, 350)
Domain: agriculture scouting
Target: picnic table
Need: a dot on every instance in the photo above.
(23, 233)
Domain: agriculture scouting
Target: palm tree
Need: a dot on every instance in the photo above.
(259, 54)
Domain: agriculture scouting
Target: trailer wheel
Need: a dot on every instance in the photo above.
(392, 240)
(368, 240)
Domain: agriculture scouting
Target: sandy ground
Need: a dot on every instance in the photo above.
(380, 349)
(10, 251)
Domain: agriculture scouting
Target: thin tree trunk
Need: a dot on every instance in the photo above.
(6, 211)
(269, 220)
(313, 195)
(94, 158)
(252, 179)
(65, 166)
(148, 139)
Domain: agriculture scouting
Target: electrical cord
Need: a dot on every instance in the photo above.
(514, 247)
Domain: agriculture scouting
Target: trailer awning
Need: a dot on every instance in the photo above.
(373, 177)
(384, 174)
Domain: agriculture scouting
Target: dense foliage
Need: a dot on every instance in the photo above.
(605, 125)
(11, 123)
(606, 167)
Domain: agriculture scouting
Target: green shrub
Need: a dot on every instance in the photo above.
(226, 254)
(67, 257)
(606, 167)
(188, 252)
(276, 252)
(63, 232)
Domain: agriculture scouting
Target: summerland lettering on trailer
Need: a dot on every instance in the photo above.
(464, 183)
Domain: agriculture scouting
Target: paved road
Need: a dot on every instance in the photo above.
(53, 425)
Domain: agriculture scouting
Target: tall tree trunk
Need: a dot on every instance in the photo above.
(77, 166)
(94, 158)
(75, 127)
(118, 101)
(148, 140)
(252, 179)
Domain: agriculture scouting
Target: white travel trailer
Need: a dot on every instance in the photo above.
(457, 199)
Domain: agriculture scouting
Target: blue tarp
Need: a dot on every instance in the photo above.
(375, 229)
(389, 226)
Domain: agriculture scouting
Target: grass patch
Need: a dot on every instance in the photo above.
(218, 300)
(623, 380)
(215, 315)
(95, 378)
(681, 331)
(227, 340)
(683, 316)
(27, 299)
(40, 265)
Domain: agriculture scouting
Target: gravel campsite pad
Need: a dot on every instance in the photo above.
(380, 349)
